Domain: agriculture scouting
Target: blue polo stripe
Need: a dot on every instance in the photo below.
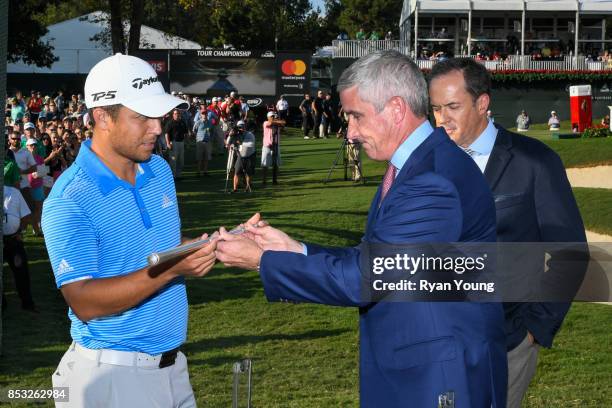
(99, 226)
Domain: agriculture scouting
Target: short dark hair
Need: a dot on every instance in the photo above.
(476, 77)
(111, 110)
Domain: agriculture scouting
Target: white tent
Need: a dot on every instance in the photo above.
(77, 52)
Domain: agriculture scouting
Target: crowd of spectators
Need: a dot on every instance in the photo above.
(44, 135)
(362, 35)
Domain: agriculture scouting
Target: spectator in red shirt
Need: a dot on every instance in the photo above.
(35, 104)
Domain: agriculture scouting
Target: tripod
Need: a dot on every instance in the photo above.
(346, 163)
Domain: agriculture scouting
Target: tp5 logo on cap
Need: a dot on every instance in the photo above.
(106, 95)
(133, 83)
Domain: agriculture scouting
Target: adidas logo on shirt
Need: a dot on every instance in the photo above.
(64, 267)
(166, 202)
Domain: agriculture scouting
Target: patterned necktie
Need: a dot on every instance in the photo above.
(468, 150)
(387, 182)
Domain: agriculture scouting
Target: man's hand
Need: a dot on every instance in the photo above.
(197, 263)
(268, 238)
(238, 250)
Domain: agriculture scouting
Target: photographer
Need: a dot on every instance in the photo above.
(55, 156)
(353, 148)
(245, 159)
(270, 152)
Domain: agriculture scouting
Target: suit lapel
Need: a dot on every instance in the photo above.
(416, 157)
(499, 159)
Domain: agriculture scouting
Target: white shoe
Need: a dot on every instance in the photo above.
(306, 137)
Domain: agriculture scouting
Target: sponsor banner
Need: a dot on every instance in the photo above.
(224, 53)
(293, 76)
(211, 73)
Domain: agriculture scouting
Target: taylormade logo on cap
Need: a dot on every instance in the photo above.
(131, 82)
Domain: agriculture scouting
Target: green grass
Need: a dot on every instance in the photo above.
(303, 355)
(596, 208)
(574, 152)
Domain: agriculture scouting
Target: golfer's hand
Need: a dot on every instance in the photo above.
(197, 263)
(238, 251)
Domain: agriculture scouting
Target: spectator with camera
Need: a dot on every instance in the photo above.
(245, 159)
(54, 154)
(270, 151)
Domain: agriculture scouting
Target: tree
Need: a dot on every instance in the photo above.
(24, 34)
(116, 26)
(371, 15)
(135, 24)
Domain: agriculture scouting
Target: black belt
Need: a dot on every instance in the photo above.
(168, 358)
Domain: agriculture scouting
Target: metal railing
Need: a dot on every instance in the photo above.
(359, 48)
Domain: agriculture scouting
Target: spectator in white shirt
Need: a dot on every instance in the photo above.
(282, 107)
(554, 123)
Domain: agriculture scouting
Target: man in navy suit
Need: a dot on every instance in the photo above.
(533, 199)
(412, 354)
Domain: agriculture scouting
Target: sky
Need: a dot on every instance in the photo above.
(318, 3)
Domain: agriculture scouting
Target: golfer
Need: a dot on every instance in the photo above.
(113, 207)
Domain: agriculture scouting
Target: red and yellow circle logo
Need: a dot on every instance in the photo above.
(293, 67)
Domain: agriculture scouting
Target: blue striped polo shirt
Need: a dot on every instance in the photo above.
(99, 226)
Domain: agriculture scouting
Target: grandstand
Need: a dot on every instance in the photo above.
(504, 34)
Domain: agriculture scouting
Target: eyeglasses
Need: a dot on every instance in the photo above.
(15, 138)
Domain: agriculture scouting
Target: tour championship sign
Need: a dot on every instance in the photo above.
(260, 76)
(293, 75)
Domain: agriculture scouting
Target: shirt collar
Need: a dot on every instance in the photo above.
(414, 140)
(483, 145)
(106, 180)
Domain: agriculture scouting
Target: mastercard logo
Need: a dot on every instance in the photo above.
(293, 67)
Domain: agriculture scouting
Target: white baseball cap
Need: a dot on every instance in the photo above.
(29, 125)
(131, 82)
(31, 142)
(270, 113)
(232, 94)
(240, 123)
